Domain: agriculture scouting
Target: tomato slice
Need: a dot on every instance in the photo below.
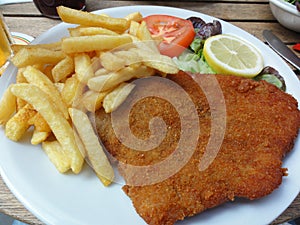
(175, 34)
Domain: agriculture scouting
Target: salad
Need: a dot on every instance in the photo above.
(184, 40)
(295, 2)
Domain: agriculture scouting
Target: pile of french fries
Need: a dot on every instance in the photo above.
(58, 84)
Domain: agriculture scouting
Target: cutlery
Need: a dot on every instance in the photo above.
(281, 49)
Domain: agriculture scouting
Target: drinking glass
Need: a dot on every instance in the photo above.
(5, 47)
(48, 7)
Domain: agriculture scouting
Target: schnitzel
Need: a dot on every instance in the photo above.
(257, 126)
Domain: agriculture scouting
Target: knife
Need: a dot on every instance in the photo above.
(281, 48)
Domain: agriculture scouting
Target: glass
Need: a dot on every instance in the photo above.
(5, 47)
(48, 7)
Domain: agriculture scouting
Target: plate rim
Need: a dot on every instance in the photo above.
(40, 38)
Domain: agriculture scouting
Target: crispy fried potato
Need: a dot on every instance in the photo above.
(20, 79)
(7, 106)
(39, 123)
(143, 34)
(93, 43)
(96, 63)
(60, 86)
(80, 145)
(17, 125)
(47, 70)
(57, 122)
(83, 72)
(39, 137)
(95, 153)
(83, 67)
(129, 56)
(55, 46)
(159, 62)
(73, 16)
(133, 29)
(63, 69)
(36, 77)
(135, 16)
(88, 31)
(116, 97)
(113, 79)
(112, 62)
(92, 100)
(72, 91)
(32, 56)
(101, 71)
(57, 155)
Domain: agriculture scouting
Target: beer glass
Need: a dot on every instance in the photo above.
(5, 47)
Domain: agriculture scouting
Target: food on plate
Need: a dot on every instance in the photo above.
(7, 106)
(174, 34)
(58, 84)
(115, 98)
(272, 76)
(83, 18)
(59, 125)
(93, 43)
(221, 56)
(261, 125)
(227, 54)
(295, 2)
(93, 149)
(56, 46)
(205, 30)
(30, 56)
(106, 61)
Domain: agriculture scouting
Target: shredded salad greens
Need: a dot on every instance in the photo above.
(192, 59)
(295, 2)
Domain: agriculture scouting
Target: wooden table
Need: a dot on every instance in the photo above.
(251, 15)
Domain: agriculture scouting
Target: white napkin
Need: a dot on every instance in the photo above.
(4, 2)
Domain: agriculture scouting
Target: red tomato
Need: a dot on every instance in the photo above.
(175, 34)
(296, 47)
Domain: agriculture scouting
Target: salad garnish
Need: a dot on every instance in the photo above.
(295, 2)
(193, 60)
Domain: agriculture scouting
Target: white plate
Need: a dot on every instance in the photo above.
(81, 199)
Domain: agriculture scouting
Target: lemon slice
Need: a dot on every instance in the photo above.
(230, 55)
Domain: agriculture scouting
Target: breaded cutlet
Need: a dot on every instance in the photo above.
(260, 126)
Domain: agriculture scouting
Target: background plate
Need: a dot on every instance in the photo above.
(67, 199)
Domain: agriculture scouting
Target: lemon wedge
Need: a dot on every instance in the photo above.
(227, 54)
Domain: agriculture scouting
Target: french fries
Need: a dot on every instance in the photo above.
(7, 106)
(63, 69)
(55, 46)
(113, 79)
(92, 100)
(39, 137)
(83, 67)
(93, 43)
(39, 79)
(17, 125)
(88, 31)
(33, 56)
(57, 155)
(94, 151)
(57, 122)
(115, 98)
(59, 83)
(89, 19)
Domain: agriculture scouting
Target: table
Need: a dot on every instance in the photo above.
(251, 15)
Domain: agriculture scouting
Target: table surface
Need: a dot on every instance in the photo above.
(251, 15)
